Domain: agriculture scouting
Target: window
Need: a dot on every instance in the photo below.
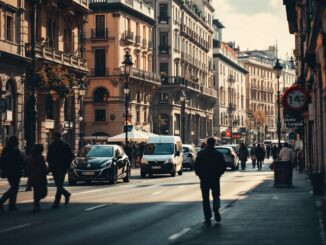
(138, 115)
(100, 26)
(163, 16)
(99, 60)
(164, 49)
(100, 95)
(68, 40)
(9, 28)
(164, 98)
(100, 116)
(164, 69)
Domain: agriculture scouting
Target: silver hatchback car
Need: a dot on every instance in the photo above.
(189, 156)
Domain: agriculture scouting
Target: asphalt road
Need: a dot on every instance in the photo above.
(158, 210)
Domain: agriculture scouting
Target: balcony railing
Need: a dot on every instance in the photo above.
(164, 49)
(163, 19)
(209, 91)
(54, 55)
(166, 80)
(99, 33)
(128, 36)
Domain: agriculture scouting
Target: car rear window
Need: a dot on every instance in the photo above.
(223, 150)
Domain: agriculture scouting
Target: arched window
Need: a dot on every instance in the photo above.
(100, 95)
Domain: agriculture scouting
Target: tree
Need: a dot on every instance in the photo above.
(260, 118)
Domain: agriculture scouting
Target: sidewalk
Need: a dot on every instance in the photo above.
(267, 216)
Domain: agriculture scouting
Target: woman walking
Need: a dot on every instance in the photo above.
(260, 153)
(11, 164)
(37, 171)
(243, 155)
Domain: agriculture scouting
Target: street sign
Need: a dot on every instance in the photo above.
(294, 99)
(293, 120)
(293, 124)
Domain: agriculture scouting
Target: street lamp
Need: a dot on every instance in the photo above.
(127, 69)
(183, 112)
(278, 69)
(81, 94)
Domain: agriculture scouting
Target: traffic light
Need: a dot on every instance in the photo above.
(228, 133)
(127, 128)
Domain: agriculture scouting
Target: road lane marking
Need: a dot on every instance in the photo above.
(179, 234)
(19, 227)
(97, 207)
(156, 193)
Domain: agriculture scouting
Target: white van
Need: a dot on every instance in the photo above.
(162, 155)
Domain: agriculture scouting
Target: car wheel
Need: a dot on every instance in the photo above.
(72, 182)
(114, 176)
(173, 173)
(142, 174)
(126, 178)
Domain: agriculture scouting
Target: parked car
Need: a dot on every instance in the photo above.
(189, 156)
(162, 155)
(230, 156)
(100, 162)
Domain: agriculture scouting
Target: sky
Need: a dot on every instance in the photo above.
(255, 24)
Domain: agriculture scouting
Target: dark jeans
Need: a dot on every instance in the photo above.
(59, 179)
(11, 194)
(243, 164)
(215, 188)
(259, 164)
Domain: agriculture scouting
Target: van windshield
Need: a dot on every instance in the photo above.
(159, 149)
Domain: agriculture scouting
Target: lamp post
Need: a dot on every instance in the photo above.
(127, 68)
(278, 69)
(183, 112)
(81, 94)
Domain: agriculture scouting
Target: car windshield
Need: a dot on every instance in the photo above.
(96, 152)
(159, 149)
(223, 150)
(185, 149)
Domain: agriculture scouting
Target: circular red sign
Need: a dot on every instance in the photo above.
(294, 98)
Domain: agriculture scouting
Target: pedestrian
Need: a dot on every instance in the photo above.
(12, 165)
(209, 167)
(260, 153)
(129, 152)
(59, 159)
(274, 152)
(268, 151)
(286, 153)
(243, 155)
(36, 170)
(253, 155)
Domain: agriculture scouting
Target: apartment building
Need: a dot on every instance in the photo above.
(184, 59)
(59, 68)
(13, 63)
(114, 28)
(230, 113)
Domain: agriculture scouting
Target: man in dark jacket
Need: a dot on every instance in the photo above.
(209, 166)
(59, 158)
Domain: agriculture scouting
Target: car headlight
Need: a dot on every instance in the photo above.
(143, 161)
(168, 161)
(107, 164)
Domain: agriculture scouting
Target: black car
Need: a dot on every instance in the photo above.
(100, 162)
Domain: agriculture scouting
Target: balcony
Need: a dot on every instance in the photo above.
(144, 43)
(211, 92)
(164, 49)
(99, 33)
(128, 36)
(54, 55)
(145, 75)
(163, 19)
(166, 80)
(231, 79)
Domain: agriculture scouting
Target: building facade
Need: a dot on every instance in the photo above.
(307, 21)
(13, 63)
(114, 28)
(230, 113)
(55, 44)
(183, 40)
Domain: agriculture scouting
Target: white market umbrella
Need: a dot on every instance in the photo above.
(134, 136)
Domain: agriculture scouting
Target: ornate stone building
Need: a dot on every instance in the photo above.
(184, 58)
(59, 68)
(13, 63)
(114, 28)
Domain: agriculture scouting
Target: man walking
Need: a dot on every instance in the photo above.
(209, 167)
(59, 158)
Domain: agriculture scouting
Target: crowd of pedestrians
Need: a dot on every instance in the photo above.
(14, 165)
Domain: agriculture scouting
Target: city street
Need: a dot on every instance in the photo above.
(158, 210)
